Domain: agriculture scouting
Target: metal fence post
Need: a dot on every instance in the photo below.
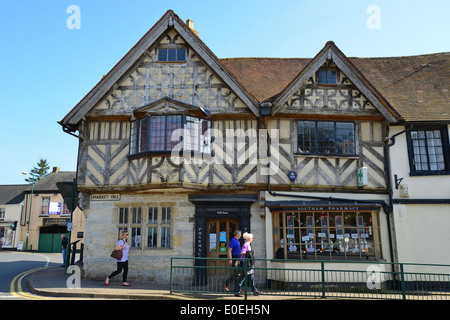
(322, 265)
(402, 277)
(245, 277)
(171, 271)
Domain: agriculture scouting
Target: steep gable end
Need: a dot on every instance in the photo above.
(138, 79)
(329, 91)
(331, 84)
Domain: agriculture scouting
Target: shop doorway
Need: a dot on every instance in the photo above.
(219, 234)
(50, 238)
(228, 212)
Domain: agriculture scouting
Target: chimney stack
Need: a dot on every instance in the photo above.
(190, 24)
(55, 170)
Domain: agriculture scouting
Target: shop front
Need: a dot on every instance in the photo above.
(325, 231)
(7, 234)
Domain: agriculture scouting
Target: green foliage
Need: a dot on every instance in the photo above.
(38, 172)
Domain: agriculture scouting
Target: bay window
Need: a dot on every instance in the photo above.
(164, 133)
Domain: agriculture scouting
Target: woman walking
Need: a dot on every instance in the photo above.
(123, 263)
(247, 253)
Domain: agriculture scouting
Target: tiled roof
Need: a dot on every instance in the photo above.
(12, 193)
(264, 78)
(49, 182)
(416, 86)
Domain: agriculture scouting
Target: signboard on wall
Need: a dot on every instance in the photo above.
(55, 221)
(362, 177)
(105, 197)
(54, 208)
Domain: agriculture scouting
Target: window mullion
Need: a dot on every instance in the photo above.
(316, 141)
(426, 150)
(335, 137)
(166, 129)
(147, 147)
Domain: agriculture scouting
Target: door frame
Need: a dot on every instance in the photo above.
(212, 207)
(219, 254)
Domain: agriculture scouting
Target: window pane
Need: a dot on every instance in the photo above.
(181, 54)
(162, 55)
(191, 134)
(153, 215)
(323, 76)
(143, 135)
(152, 237)
(205, 137)
(331, 77)
(171, 55)
(173, 124)
(133, 137)
(136, 237)
(165, 216)
(165, 237)
(44, 205)
(325, 137)
(137, 215)
(306, 137)
(157, 133)
(345, 138)
(123, 215)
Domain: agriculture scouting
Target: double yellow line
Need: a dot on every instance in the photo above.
(19, 293)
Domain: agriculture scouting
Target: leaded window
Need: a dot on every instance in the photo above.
(326, 137)
(165, 133)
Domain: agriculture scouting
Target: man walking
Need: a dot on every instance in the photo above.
(64, 244)
(234, 252)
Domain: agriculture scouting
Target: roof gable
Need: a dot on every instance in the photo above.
(168, 21)
(331, 53)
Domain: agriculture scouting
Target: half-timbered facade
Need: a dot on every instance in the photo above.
(181, 148)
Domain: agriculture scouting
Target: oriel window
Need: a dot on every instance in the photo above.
(158, 133)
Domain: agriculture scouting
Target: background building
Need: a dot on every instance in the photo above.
(49, 215)
(11, 209)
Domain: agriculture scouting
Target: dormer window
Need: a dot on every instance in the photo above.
(172, 55)
(327, 77)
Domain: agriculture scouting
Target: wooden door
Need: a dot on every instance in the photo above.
(219, 234)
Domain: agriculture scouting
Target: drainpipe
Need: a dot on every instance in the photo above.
(390, 210)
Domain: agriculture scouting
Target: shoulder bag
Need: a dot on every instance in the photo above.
(117, 254)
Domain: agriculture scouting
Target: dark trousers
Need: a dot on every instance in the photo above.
(121, 266)
(234, 277)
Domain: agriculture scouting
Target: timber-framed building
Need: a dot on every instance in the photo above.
(180, 148)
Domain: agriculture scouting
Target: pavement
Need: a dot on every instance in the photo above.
(53, 282)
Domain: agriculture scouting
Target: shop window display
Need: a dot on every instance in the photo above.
(326, 235)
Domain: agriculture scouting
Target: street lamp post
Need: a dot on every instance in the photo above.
(31, 202)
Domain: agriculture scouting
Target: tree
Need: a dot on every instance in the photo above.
(38, 172)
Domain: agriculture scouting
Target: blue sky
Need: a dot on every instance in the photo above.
(47, 68)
